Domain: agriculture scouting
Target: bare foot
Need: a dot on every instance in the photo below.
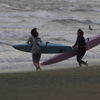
(38, 68)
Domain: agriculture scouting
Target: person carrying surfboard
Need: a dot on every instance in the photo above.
(81, 47)
(36, 51)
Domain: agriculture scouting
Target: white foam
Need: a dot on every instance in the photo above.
(38, 13)
(4, 5)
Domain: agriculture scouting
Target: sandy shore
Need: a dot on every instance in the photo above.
(63, 84)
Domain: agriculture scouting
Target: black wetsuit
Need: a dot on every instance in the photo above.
(81, 49)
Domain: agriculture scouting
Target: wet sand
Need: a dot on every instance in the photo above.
(61, 84)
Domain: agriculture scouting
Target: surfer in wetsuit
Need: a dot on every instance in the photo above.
(36, 51)
(81, 47)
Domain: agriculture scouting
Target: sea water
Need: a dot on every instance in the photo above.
(57, 22)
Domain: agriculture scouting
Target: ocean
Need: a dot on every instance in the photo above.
(57, 22)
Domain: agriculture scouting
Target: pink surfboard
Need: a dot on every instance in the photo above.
(90, 43)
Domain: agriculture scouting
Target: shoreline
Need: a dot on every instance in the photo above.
(44, 68)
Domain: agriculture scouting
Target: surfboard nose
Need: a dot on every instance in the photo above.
(15, 46)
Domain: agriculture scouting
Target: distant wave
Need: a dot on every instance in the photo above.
(62, 21)
(86, 10)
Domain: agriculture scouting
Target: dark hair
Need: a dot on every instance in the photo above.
(34, 32)
(80, 32)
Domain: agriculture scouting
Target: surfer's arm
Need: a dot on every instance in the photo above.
(41, 41)
(27, 42)
(76, 42)
(29, 39)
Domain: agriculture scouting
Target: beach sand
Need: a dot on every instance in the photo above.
(61, 84)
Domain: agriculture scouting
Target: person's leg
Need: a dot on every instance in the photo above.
(80, 56)
(83, 51)
(79, 59)
(36, 59)
(36, 63)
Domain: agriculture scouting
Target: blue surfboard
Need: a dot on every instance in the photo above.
(45, 48)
